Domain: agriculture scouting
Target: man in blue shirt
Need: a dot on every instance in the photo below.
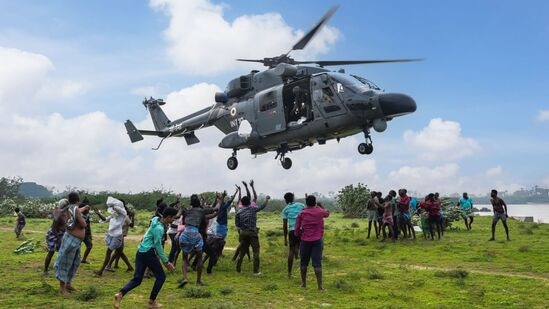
(466, 204)
(289, 215)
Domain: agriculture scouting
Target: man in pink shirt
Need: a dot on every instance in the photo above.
(309, 227)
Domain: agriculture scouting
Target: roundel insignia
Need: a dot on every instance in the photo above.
(233, 111)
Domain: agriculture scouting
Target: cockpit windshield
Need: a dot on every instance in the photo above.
(369, 83)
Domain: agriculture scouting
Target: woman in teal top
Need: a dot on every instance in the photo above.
(146, 257)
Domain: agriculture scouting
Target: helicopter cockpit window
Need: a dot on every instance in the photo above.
(366, 82)
(268, 105)
(328, 95)
(351, 83)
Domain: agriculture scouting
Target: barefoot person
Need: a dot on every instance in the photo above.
(371, 207)
(149, 252)
(55, 233)
(88, 237)
(114, 239)
(466, 204)
(309, 227)
(246, 221)
(289, 215)
(500, 212)
(191, 240)
(21, 221)
(68, 258)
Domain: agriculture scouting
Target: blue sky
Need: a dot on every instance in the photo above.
(485, 78)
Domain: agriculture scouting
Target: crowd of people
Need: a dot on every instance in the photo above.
(199, 231)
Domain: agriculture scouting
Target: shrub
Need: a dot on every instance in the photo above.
(270, 287)
(374, 274)
(225, 291)
(274, 233)
(197, 293)
(90, 293)
(456, 273)
(352, 200)
(343, 286)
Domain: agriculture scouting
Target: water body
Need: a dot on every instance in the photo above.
(540, 212)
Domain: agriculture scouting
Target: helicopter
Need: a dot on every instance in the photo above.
(289, 106)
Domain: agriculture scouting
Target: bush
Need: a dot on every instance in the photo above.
(90, 293)
(344, 286)
(274, 233)
(456, 273)
(30, 208)
(197, 293)
(270, 287)
(225, 291)
(374, 274)
(352, 200)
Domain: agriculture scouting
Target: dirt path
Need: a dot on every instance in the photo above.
(476, 271)
(413, 266)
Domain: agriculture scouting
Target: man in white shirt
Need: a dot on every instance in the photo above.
(114, 239)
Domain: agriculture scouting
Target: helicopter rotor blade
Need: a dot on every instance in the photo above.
(309, 35)
(347, 62)
(252, 60)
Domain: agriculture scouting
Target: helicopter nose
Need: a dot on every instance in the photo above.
(396, 104)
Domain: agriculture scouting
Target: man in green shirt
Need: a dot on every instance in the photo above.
(148, 254)
(289, 215)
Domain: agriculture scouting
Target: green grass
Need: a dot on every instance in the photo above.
(461, 270)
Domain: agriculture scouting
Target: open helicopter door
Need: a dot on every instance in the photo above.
(270, 111)
(327, 96)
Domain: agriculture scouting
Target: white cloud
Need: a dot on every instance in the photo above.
(543, 115)
(25, 78)
(425, 179)
(441, 140)
(22, 74)
(145, 91)
(86, 151)
(494, 171)
(61, 89)
(201, 40)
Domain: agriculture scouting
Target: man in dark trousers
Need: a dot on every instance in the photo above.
(246, 221)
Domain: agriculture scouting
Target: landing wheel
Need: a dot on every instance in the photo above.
(286, 163)
(232, 163)
(364, 148)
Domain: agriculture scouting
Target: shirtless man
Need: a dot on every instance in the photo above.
(500, 212)
(68, 258)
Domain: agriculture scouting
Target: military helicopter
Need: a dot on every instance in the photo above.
(289, 106)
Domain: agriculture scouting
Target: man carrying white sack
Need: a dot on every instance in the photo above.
(117, 217)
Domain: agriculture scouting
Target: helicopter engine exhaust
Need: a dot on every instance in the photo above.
(221, 97)
(285, 70)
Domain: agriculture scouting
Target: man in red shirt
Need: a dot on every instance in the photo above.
(309, 227)
(404, 218)
(433, 209)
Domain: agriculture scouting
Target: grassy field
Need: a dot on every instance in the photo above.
(461, 270)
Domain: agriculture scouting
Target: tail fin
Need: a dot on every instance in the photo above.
(160, 120)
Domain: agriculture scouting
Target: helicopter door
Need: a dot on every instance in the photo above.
(270, 111)
(327, 96)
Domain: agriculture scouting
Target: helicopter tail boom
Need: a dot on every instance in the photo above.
(137, 135)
